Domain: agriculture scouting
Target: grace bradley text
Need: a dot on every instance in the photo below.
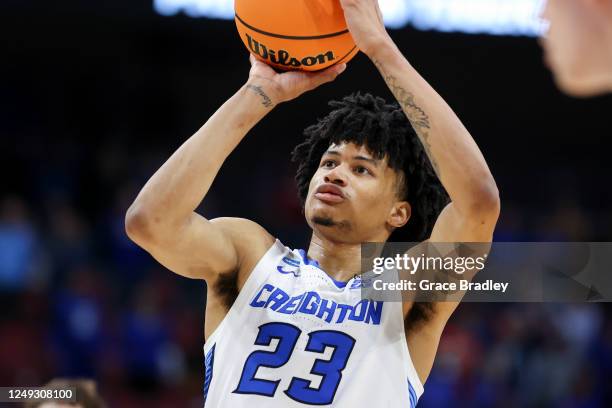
(425, 285)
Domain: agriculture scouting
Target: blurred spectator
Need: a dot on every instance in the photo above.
(149, 351)
(86, 394)
(20, 250)
(77, 333)
(68, 237)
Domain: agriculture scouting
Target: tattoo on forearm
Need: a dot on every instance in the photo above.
(266, 101)
(416, 115)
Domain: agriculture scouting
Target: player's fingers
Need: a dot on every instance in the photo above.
(252, 59)
(335, 70)
(328, 74)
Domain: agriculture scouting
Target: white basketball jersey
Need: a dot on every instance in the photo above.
(295, 337)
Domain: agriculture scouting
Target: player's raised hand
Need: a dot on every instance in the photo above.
(289, 85)
(365, 23)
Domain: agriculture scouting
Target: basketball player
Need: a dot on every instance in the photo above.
(578, 45)
(288, 328)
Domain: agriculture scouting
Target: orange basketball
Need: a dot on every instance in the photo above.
(304, 35)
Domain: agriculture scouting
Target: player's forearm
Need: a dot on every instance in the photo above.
(181, 183)
(453, 153)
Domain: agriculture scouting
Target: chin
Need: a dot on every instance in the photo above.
(313, 212)
(579, 87)
(322, 219)
(581, 82)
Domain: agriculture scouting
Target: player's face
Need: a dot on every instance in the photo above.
(578, 45)
(352, 197)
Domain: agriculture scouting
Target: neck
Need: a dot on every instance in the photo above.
(341, 261)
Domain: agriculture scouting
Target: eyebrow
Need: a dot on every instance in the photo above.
(358, 157)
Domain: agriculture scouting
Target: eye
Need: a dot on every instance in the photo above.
(362, 170)
(329, 164)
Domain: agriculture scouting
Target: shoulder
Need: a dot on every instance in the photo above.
(251, 242)
(236, 228)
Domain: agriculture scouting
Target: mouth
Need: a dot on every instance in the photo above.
(329, 193)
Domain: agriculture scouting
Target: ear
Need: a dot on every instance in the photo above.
(400, 214)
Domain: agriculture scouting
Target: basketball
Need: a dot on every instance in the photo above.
(307, 35)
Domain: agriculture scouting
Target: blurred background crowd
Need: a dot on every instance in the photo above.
(94, 100)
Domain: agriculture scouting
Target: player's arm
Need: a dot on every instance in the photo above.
(162, 219)
(472, 214)
(453, 153)
(474, 209)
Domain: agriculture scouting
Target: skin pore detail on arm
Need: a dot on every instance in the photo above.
(266, 101)
(417, 116)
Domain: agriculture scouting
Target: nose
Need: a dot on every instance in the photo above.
(336, 176)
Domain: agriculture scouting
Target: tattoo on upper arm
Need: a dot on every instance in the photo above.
(266, 101)
(416, 115)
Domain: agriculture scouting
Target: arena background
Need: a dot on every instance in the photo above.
(96, 96)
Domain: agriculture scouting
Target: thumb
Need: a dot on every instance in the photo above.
(328, 74)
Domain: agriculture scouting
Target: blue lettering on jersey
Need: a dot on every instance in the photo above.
(343, 310)
(276, 299)
(359, 311)
(311, 303)
(374, 312)
(329, 310)
(291, 305)
(270, 297)
(261, 303)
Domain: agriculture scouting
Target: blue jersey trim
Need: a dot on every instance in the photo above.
(315, 263)
(412, 394)
(209, 360)
(307, 260)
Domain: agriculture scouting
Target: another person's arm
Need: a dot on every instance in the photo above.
(162, 219)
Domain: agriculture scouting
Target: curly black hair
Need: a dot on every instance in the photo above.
(384, 129)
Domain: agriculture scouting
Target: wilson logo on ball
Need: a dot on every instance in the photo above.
(302, 35)
(282, 57)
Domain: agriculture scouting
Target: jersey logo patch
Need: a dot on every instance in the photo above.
(292, 262)
(295, 272)
(362, 281)
(292, 269)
